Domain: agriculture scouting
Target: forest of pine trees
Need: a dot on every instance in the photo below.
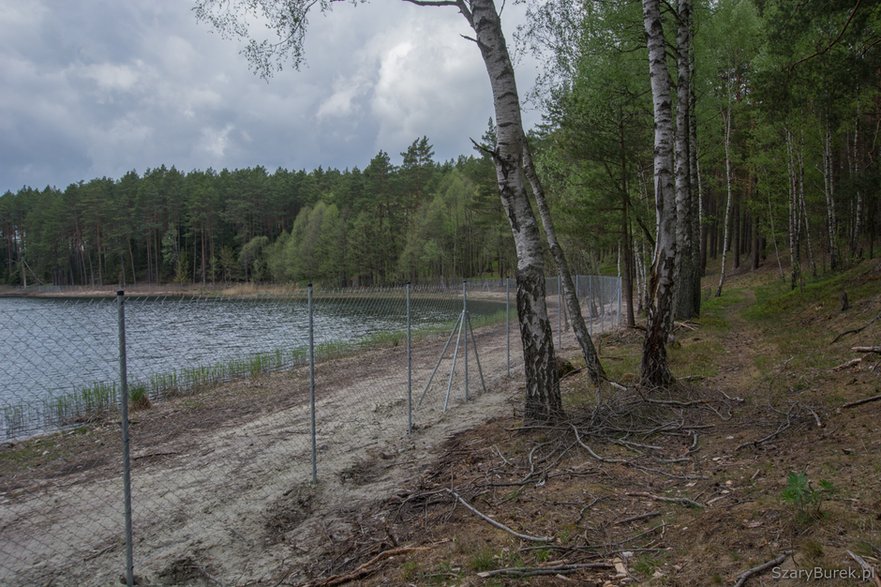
(419, 221)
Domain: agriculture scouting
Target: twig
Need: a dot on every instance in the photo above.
(534, 571)
(866, 349)
(816, 417)
(366, 568)
(856, 330)
(774, 434)
(498, 525)
(744, 576)
(860, 402)
(848, 365)
(638, 518)
(673, 402)
(868, 570)
(680, 500)
(593, 454)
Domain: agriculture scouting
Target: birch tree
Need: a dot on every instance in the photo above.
(687, 303)
(288, 19)
(655, 370)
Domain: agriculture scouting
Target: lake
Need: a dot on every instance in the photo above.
(59, 357)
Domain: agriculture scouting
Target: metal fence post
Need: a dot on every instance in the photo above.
(312, 383)
(126, 461)
(508, 324)
(465, 321)
(409, 366)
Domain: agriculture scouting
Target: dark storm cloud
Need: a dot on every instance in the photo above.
(96, 88)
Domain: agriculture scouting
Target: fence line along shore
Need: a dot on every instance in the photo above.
(89, 495)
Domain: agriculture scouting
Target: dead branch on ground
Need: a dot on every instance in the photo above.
(498, 525)
(367, 568)
(550, 570)
(856, 330)
(744, 576)
(860, 402)
(680, 500)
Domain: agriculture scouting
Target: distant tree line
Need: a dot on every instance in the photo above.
(419, 221)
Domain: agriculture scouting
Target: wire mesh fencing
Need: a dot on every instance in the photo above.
(235, 408)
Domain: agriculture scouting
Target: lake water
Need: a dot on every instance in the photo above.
(51, 348)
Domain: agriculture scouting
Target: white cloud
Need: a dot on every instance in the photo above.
(95, 88)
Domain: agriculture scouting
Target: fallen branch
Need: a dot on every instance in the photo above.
(367, 568)
(848, 365)
(868, 570)
(866, 349)
(744, 576)
(860, 402)
(535, 571)
(498, 525)
(674, 402)
(856, 330)
(680, 500)
(637, 518)
(774, 434)
(592, 453)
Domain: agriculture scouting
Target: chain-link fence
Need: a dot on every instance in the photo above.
(235, 407)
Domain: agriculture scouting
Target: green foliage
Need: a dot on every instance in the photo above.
(804, 498)
(383, 225)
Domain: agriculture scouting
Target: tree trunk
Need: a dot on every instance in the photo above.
(830, 197)
(726, 115)
(794, 207)
(804, 209)
(591, 359)
(655, 370)
(858, 206)
(698, 249)
(543, 400)
(685, 280)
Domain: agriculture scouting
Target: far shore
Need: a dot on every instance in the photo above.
(236, 290)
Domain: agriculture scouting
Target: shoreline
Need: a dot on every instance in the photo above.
(240, 291)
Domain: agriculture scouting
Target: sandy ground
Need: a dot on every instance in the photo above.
(221, 477)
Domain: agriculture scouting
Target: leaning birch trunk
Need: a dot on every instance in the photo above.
(591, 359)
(685, 263)
(830, 197)
(655, 370)
(794, 202)
(542, 385)
(726, 115)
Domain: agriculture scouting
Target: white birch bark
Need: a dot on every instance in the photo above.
(542, 385)
(655, 370)
(685, 260)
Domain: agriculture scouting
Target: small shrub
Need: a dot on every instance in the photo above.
(806, 500)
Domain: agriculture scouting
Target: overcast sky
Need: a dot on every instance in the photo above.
(99, 87)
